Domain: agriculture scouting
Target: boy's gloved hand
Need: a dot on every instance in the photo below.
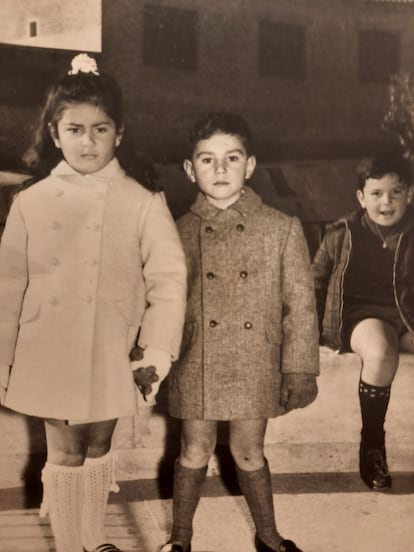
(298, 390)
(150, 366)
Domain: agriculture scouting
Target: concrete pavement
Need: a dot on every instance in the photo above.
(331, 512)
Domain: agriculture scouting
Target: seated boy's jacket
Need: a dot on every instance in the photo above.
(329, 270)
(251, 312)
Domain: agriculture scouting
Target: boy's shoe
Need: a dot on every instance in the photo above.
(373, 468)
(173, 547)
(107, 548)
(285, 546)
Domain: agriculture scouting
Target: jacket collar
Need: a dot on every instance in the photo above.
(248, 203)
(111, 170)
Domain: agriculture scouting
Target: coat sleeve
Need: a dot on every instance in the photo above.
(322, 267)
(165, 276)
(13, 281)
(300, 342)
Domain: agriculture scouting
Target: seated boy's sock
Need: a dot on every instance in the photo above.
(256, 487)
(186, 495)
(374, 404)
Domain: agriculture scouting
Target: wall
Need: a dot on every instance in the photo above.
(331, 113)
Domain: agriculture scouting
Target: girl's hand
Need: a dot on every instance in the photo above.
(150, 366)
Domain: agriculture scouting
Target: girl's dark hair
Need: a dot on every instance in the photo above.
(220, 121)
(100, 90)
(380, 165)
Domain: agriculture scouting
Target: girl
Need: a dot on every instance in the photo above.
(91, 267)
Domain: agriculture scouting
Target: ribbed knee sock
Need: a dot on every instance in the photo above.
(374, 404)
(186, 496)
(62, 499)
(256, 487)
(97, 480)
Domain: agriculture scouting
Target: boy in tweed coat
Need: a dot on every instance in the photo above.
(250, 345)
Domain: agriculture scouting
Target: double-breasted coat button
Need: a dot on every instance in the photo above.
(243, 274)
(56, 225)
(209, 229)
(240, 227)
(210, 275)
(54, 301)
(213, 323)
(248, 325)
(55, 261)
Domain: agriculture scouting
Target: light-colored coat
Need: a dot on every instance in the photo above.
(86, 264)
(251, 312)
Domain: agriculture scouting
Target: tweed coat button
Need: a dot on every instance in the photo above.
(213, 323)
(240, 228)
(211, 275)
(248, 325)
(243, 274)
(209, 229)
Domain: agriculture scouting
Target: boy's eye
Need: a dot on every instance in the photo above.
(206, 160)
(101, 130)
(233, 158)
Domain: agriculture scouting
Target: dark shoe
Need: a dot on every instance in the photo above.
(373, 468)
(107, 548)
(285, 546)
(173, 547)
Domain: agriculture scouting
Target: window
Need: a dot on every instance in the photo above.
(33, 28)
(170, 37)
(379, 55)
(282, 50)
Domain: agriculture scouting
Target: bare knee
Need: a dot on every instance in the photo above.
(196, 451)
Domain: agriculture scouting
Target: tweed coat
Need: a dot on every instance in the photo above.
(251, 312)
(87, 263)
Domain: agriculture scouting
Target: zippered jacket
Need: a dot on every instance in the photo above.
(330, 269)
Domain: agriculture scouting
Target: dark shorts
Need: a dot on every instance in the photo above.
(353, 315)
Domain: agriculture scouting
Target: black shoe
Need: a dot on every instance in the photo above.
(373, 468)
(173, 547)
(285, 546)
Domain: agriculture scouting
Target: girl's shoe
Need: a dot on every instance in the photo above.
(173, 547)
(285, 546)
(373, 468)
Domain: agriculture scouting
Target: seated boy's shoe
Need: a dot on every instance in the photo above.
(286, 545)
(174, 547)
(373, 468)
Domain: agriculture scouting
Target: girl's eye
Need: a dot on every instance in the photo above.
(233, 158)
(74, 130)
(206, 160)
(397, 192)
(101, 130)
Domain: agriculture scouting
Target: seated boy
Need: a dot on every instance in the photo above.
(364, 274)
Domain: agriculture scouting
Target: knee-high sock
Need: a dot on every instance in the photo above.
(98, 482)
(62, 499)
(374, 404)
(186, 496)
(256, 487)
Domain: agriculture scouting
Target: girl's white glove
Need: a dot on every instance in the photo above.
(150, 367)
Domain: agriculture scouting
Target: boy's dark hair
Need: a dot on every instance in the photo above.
(380, 165)
(220, 121)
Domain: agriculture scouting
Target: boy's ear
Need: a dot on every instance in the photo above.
(250, 166)
(189, 170)
(410, 194)
(54, 134)
(361, 198)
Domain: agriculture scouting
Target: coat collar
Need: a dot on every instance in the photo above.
(111, 170)
(248, 203)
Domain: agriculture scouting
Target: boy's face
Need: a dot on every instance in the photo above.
(86, 136)
(220, 165)
(385, 199)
